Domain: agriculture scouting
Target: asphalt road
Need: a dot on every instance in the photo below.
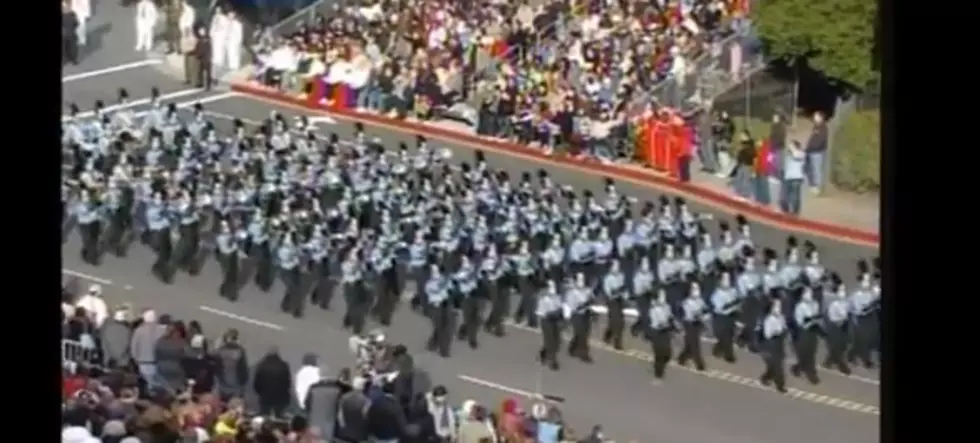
(722, 404)
(607, 392)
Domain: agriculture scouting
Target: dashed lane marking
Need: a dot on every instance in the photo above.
(715, 374)
(794, 393)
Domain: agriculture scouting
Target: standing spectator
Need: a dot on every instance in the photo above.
(473, 426)
(744, 161)
(234, 37)
(218, 32)
(82, 10)
(94, 304)
(442, 414)
(171, 351)
(723, 133)
(143, 348)
(173, 10)
(69, 34)
(794, 165)
(232, 366)
(777, 143)
(146, 19)
(421, 425)
(308, 374)
(116, 336)
(386, 419)
(352, 412)
(322, 404)
(764, 161)
(271, 383)
(200, 366)
(203, 51)
(816, 150)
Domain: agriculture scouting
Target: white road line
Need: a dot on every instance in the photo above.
(500, 387)
(88, 277)
(203, 101)
(110, 70)
(135, 103)
(241, 318)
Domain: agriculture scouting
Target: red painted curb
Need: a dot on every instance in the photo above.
(707, 196)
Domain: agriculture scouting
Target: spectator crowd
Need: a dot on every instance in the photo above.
(575, 75)
(131, 378)
(583, 77)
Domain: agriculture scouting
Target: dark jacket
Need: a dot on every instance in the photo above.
(272, 381)
(353, 406)
(115, 343)
(202, 370)
(322, 402)
(232, 367)
(386, 419)
(777, 135)
(69, 23)
(818, 139)
(202, 49)
(170, 353)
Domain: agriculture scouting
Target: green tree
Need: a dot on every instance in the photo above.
(836, 37)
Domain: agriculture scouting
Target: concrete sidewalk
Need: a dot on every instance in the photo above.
(834, 207)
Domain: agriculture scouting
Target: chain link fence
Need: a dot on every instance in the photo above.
(755, 100)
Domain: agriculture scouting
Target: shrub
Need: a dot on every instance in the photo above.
(856, 153)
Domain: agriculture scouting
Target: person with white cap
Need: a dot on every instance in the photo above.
(94, 304)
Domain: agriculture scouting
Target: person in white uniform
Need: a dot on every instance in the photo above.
(233, 41)
(219, 32)
(83, 10)
(146, 19)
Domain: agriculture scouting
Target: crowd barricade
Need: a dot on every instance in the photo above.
(662, 141)
(73, 351)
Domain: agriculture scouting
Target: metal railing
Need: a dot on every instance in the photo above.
(723, 64)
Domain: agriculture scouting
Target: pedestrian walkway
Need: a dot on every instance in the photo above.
(834, 207)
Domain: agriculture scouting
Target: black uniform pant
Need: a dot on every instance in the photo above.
(724, 330)
(749, 316)
(775, 356)
(264, 270)
(229, 275)
(292, 299)
(692, 345)
(90, 233)
(499, 305)
(806, 354)
(616, 323)
(862, 340)
(69, 50)
(550, 340)
(836, 338)
(187, 247)
(581, 332)
(323, 286)
(386, 296)
(115, 236)
(472, 312)
(643, 319)
(662, 351)
(525, 309)
(443, 319)
(164, 247)
(357, 301)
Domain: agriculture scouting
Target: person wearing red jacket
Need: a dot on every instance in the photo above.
(764, 168)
